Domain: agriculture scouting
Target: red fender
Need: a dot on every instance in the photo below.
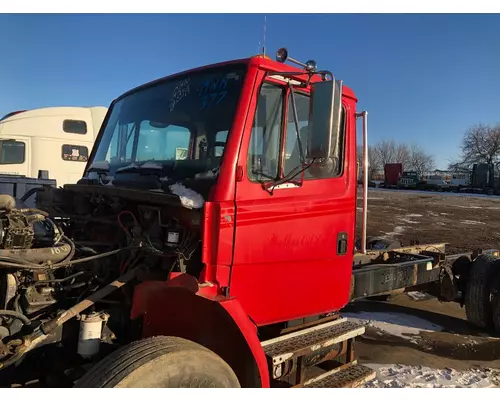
(181, 308)
(249, 331)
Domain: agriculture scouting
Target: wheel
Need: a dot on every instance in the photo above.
(495, 304)
(162, 361)
(478, 293)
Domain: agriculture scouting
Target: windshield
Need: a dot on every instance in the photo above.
(181, 123)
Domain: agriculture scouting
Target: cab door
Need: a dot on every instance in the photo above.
(294, 243)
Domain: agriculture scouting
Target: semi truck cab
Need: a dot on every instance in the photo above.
(282, 194)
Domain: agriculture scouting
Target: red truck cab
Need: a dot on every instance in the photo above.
(281, 244)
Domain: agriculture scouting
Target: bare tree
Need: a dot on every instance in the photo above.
(374, 164)
(480, 144)
(388, 152)
(402, 155)
(420, 161)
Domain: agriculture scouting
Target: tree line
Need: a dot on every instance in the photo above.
(480, 144)
(411, 156)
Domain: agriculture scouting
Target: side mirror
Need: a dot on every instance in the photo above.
(324, 118)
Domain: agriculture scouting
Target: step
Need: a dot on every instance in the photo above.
(309, 340)
(348, 376)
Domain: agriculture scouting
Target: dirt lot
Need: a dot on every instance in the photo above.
(466, 222)
(413, 336)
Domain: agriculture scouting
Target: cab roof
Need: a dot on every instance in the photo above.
(259, 61)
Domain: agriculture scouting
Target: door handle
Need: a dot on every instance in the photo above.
(342, 243)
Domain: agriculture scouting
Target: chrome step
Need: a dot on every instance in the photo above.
(348, 376)
(309, 340)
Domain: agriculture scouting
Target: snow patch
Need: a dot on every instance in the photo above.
(418, 296)
(408, 218)
(189, 198)
(398, 230)
(408, 221)
(401, 325)
(404, 376)
(469, 222)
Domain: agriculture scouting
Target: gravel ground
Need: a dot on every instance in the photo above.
(413, 340)
(465, 222)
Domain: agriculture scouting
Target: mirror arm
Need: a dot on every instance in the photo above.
(296, 120)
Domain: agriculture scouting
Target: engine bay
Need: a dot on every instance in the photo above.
(57, 259)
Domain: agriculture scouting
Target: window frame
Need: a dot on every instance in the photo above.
(283, 88)
(286, 104)
(343, 136)
(65, 121)
(24, 152)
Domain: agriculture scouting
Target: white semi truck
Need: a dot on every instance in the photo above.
(53, 141)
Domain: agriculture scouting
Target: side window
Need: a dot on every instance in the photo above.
(264, 149)
(75, 126)
(157, 142)
(72, 152)
(334, 166)
(220, 138)
(12, 152)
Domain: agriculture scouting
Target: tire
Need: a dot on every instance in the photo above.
(162, 361)
(495, 305)
(478, 307)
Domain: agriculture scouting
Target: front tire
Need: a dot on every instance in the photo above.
(161, 362)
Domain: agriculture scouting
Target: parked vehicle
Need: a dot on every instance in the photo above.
(55, 140)
(392, 173)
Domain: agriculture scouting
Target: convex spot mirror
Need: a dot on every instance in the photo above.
(324, 119)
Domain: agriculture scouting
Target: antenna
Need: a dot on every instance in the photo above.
(264, 42)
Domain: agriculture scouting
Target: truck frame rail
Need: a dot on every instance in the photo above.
(386, 272)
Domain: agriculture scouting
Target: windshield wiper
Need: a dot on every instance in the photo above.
(288, 178)
(145, 168)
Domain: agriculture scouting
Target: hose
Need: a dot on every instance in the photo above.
(28, 194)
(21, 264)
(14, 314)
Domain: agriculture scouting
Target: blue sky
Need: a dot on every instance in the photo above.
(423, 78)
